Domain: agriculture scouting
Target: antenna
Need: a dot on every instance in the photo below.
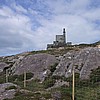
(64, 34)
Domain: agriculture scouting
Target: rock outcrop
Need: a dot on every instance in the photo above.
(43, 66)
(7, 90)
(83, 62)
(2, 66)
(38, 64)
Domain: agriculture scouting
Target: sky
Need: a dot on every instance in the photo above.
(27, 25)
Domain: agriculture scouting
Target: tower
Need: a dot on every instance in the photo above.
(64, 30)
(64, 34)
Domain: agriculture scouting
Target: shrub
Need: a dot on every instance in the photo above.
(2, 78)
(13, 78)
(20, 77)
(49, 82)
(46, 95)
(29, 75)
(59, 77)
(95, 75)
(53, 67)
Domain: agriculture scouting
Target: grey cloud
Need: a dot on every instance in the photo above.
(10, 41)
(15, 33)
(20, 32)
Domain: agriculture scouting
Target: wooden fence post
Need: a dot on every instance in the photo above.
(73, 84)
(6, 75)
(24, 79)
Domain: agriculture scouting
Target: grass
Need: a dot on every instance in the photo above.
(20, 77)
(56, 52)
(89, 89)
(82, 92)
(84, 89)
(66, 92)
(2, 78)
(88, 93)
(53, 68)
(49, 82)
(35, 86)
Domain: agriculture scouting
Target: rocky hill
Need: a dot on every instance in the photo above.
(83, 61)
(52, 63)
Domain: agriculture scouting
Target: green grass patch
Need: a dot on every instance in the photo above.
(11, 87)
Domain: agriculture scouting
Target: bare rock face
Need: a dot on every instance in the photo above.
(38, 64)
(82, 61)
(7, 62)
(59, 83)
(6, 92)
(2, 66)
(56, 95)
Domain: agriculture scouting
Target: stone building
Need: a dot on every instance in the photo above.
(60, 41)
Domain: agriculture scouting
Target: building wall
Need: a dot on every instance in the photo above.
(60, 38)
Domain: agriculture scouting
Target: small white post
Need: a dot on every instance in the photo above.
(6, 75)
(24, 79)
(73, 92)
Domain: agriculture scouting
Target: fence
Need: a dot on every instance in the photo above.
(76, 90)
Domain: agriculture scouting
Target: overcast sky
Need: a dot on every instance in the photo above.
(27, 25)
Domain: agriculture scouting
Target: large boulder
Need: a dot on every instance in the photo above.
(38, 64)
(8, 90)
(2, 66)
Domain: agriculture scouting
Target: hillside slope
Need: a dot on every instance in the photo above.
(49, 74)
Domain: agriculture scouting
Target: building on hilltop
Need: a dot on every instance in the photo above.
(60, 41)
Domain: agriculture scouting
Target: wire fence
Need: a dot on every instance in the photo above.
(87, 89)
